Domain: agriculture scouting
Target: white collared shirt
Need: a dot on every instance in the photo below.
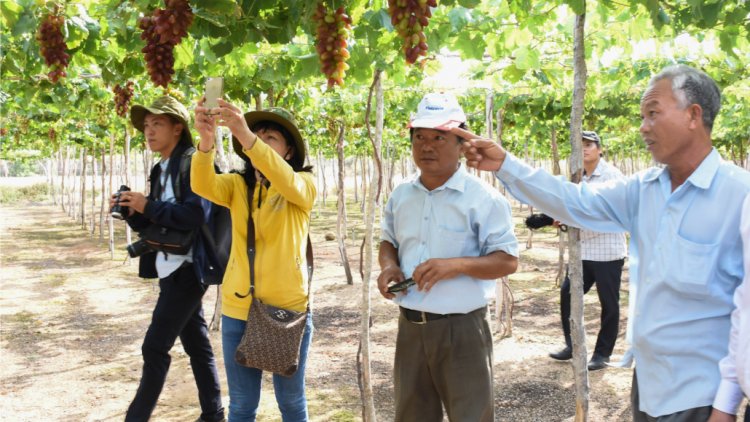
(596, 246)
(466, 217)
(167, 264)
(735, 368)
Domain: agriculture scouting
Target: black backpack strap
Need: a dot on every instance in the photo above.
(185, 160)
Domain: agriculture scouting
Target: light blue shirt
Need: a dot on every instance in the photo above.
(685, 263)
(466, 217)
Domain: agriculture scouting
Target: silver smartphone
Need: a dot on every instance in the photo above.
(214, 88)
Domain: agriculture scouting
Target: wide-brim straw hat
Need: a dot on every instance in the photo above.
(278, 115)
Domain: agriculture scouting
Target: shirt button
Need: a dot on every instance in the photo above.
(423, 242)
(639, 312)
(425, 219)
(669, 212)
(635, 346)
(648, 280)
(658, 246)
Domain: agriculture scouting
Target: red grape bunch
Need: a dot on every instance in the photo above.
(122, 98)
(332, 28)
(162, 32)
(52, 134)
(3, 131)
(51, 40)
(410, 17)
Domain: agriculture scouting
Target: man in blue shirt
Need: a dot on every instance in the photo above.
(453, 234)
(685, 246)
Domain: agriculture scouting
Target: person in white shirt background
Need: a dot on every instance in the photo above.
(603, 256)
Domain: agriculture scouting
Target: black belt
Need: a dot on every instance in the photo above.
(419, 317)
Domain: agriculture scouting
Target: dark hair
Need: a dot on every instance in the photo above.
(460, 139)
(296, 161)
(184, 138)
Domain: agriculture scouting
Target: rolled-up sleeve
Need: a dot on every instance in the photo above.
(387, 229)
(496, 228)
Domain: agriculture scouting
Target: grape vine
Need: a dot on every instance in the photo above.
(162, 32)
(332, 29)
(410, 17)
(53, 46)
(122, 98)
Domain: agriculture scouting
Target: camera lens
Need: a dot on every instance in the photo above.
(138, 248)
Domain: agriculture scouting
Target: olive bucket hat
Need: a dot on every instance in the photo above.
(163, 105)
(278, 115)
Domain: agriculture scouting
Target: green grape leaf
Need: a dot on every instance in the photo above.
(381, 19)
(10, 12)
(460, 17)
(222, 49)
(222, 7)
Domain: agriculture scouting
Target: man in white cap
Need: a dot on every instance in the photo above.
(452, 233)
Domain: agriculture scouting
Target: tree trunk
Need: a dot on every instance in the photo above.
(220, 148)
(102, 212)
(215, 324)
(64, 160)
(560, 277)
(93, 191)
(270, 97)
(356, 188)
(555, 156)
(82, 221)
(111, 190)
(128, 233)
(529, 244)
(578, 332)
(364, 184)
(341, 205)
(375, 186)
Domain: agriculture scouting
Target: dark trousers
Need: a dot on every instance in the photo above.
(445, 362)
(747, 413)
(607, 276)
(178, 312)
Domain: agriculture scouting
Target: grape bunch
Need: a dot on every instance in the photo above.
(23, 123)
(52, 134)
(162, 32)
(3, 131)
(174, 93)
(100, 114)
(332, 29)
(410, 17)
(51, 40)
(122, 98)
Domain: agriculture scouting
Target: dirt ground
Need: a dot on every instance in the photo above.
(73, 320)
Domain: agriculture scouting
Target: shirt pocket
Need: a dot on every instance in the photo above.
(450, 244)
(694, 265)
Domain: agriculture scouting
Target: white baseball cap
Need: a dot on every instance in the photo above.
(438, 111)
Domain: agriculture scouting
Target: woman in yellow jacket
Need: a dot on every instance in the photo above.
(284, 196)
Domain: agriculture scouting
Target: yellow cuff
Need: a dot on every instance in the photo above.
(203, 158)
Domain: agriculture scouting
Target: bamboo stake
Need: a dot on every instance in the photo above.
(128, 234)
(578, 332)
(111, 190)
(341, 205)
(102, 212)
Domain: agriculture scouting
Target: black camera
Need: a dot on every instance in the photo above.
(119, 211)
(138, 248)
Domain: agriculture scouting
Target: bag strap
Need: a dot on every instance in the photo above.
(251, 253)
(184, 171)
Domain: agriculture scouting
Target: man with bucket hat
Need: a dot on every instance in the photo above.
(452, 234)
(182, 278)
(603, 256)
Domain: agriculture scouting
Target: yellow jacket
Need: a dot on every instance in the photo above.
(282, 224)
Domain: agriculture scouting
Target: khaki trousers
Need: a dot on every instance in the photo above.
(445, 362)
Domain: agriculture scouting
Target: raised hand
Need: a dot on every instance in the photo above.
(205, 124)
(231, 116)
(481, 153)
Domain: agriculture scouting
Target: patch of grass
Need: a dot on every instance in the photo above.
(14, 194)
(343, 416)
(25, 317)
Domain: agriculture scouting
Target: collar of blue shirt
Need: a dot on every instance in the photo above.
(456, 182)
(701, 178)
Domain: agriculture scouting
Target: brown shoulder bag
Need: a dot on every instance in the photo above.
(273, 336)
